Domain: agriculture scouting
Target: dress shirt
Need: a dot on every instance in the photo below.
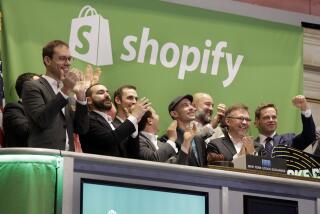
(106, 117)
(154, 139)
(237, 146)
(55, 85)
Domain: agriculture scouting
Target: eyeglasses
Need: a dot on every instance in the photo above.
(65, 59)
(240, 118)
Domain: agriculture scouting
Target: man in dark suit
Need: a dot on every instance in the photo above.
(47, 105)
(236, 142)
(182, 110)
(15, 124)
(102, 137)
(266, 121)
(154, 150)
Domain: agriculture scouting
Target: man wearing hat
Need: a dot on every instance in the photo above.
(182, 110)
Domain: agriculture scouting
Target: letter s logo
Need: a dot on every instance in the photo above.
(83, 39)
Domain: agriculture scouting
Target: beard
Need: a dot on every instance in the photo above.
(203, 117)
(103, 105)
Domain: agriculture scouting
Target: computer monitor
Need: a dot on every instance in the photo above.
(263, 205)
(104, 197)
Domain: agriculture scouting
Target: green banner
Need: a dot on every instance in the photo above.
(164, 49)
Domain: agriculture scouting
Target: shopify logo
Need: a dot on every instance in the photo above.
(90, 38)
(90, 41)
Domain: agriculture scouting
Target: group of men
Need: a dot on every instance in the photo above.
(64, 102)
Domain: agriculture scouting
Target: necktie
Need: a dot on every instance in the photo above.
(194, 149)
(268, 147)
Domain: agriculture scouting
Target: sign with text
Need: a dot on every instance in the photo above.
(164, 49)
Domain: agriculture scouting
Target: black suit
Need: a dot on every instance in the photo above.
(102, 140)
(200, 147)
(226, 147)
(165, 153)
(301, 141)
(15, 125)
(48, 124)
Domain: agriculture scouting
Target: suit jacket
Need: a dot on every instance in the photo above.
(15, 125)
(200, 147)
(102, 140)
(165, 153)
(48, 124)
(226, 147)
(125, 143)
(116, 122)
(300, 141)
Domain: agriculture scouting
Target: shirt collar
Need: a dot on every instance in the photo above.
(104, 115)
(52, 82)
(263, 137)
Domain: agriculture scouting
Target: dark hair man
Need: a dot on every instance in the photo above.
(15, 124)
(47, 103)
(154, 150)
(102, 137)
(266, 120)
(124, 98)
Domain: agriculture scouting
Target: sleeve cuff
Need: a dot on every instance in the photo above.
(306, 113)
(173, 145)
(134, 121)
(64, 95)
(82, 102)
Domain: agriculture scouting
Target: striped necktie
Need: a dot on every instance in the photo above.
(268, 146)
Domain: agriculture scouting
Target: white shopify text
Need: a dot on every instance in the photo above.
(189, 58)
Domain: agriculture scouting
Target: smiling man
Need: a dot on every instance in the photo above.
(47, 103)
(266, 120)
(236, 142)
(182, 110)
(207, 125)
(102, 137)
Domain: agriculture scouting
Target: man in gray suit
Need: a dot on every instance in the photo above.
(47, 104)
(236, 142)
(154, 150)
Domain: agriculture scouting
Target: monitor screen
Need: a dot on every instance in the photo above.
(263, 205)
(101, 197)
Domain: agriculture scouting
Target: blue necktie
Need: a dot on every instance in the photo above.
(268, 147)
(194, 149)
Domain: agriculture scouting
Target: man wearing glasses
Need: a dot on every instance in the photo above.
(266, 116)
(47, 102)
(236, 142)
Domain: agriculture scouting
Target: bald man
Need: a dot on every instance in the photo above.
(207, 124)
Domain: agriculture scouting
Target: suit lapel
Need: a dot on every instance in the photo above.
(100, 119)
(199, 152)
(45, 83)
(146, 139)
(276, 140)
(229, 145)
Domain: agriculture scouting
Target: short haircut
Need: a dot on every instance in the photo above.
(236, 107)
(119, 92)
(89, 91)
(257, 113)
(143, 122)
(21, 80)
(48, 49)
